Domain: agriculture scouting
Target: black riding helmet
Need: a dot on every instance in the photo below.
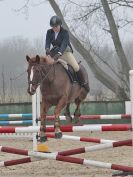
(55, 21)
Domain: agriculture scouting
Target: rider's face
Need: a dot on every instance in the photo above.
(56, 28)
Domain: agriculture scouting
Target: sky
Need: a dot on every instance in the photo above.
(32, 25)
(35, 23)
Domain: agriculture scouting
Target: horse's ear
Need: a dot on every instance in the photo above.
(28, 58)
(37, 58)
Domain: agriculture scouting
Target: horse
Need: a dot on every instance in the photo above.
(56, 90)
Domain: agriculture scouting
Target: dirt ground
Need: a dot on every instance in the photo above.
(51, 168)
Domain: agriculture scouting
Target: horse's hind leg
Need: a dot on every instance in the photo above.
(67, 113)
(44, 109)
(77, 110)
(62, 103)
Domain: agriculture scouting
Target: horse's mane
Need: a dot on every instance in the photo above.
(44, 60)
(47, 59)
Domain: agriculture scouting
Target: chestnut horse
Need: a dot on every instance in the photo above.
(56, 90)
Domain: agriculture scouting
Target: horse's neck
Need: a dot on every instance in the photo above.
(48, 71)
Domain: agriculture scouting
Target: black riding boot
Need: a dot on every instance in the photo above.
(82, 80)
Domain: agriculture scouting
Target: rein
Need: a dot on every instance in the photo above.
(42, 75)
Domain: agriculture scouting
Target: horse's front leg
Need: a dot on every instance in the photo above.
(61, 104)
(44, 109)
(67, 113)
(77, 111)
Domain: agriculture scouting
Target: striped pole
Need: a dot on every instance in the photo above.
(16, 122)
(96, 147)
(15, 115)
(75, 160)
(17, 161)
(70, 128)
(113, 116)
(67, 137)
(82, 117)
(52, 117)
(83, 139)
(34, 117)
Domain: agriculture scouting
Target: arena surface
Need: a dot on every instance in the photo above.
(51, 168)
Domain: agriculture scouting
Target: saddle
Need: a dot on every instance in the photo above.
(80, 77)
(70, 71)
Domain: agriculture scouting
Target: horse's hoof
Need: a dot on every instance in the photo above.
(58, 135)
(43, 139)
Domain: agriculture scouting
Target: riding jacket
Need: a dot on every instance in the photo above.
(60, 40)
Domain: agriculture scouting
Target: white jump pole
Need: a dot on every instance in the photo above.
(131, 98)
(38, 104)
(33, 120)
(35, 114)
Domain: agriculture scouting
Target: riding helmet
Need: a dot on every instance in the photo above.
(55, 21)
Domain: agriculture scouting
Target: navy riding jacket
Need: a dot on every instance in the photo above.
(62, 40)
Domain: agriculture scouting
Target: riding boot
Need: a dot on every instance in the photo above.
(82, 80)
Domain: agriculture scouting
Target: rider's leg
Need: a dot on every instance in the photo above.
(70, 59)
(83, 82)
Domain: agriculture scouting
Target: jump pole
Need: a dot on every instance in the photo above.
(56, 156)
(20, 122)
(83, 139)
(69, 128)
(18, 161)
(91, 117)
(34, 116)
(131, 98)
(28, 116)
(87, 139)
(95, 147)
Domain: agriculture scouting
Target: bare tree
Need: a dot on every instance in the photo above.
(117, 43)
(103, 77)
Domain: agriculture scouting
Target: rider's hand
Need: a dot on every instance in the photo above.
(57, 56)
(47, 51)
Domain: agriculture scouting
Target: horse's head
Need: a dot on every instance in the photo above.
(34, 75)
(38, 67)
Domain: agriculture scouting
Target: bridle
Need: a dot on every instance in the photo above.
(42, 74)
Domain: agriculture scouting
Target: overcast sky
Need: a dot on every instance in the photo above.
(36, 23)
(16, 24)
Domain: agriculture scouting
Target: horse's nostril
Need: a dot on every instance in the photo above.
(33, 89)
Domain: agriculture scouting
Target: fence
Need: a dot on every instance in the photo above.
(106, 107)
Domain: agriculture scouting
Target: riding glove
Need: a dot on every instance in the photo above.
(57, 56)
(47, 51)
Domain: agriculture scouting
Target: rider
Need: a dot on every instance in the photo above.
(59, 38)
